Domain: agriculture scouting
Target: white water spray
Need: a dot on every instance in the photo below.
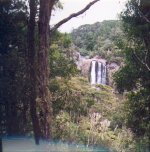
(98, 74)
(93, 72)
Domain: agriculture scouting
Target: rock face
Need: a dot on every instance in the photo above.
(112, 68)
(96, 69)
(85, 66)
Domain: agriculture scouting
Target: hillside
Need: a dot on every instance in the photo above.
(88, 115)
(101, 38)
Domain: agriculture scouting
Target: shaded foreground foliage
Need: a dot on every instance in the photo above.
(134, 75)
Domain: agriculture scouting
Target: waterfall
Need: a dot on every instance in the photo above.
(93, 72)
(104, 74)
(98, 74)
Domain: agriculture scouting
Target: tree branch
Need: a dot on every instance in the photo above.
(56, 26)
(144, 16)
(141, 61)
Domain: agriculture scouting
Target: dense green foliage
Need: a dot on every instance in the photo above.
(101, 38)
(61, 56)
(12, 25)
(134, 75)
(13, 78)
(88, 115)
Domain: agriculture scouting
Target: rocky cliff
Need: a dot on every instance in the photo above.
(84, 65)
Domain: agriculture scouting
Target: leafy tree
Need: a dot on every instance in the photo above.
(13, 46)
(61, 56)
(134, 75)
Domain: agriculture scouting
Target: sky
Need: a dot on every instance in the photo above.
(102, 10)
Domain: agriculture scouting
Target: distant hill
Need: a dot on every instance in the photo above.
(100, 38)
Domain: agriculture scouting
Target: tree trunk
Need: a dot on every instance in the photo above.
(46, 7)
(32, 71)
(43, 64)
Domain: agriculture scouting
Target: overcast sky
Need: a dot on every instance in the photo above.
(102, 10)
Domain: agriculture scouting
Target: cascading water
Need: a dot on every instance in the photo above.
(104, 74)
(93, 72)
(98, 74)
